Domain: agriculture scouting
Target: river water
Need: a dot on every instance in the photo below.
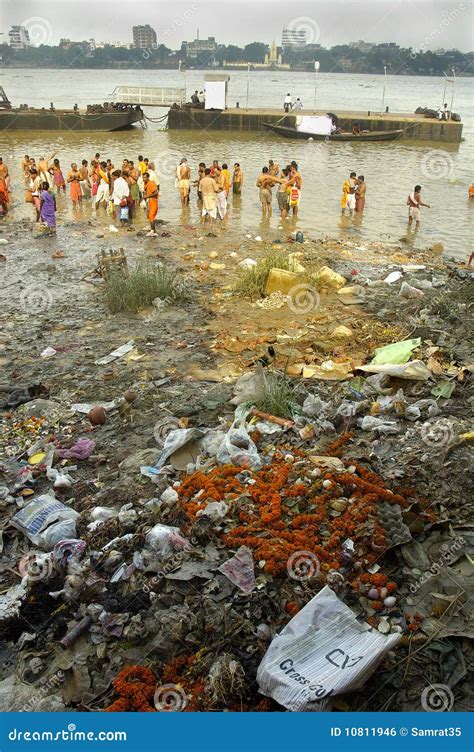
(390, 169)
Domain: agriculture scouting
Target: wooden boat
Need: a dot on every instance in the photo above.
(281, 130)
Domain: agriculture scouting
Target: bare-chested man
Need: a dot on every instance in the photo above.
(273, 168)
(85, 182)
(264, 184)
(183, 175)
(43, 168)
(414, 202)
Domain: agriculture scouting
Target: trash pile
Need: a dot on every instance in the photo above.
(315, 533)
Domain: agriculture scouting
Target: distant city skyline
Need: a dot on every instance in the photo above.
(432, 24)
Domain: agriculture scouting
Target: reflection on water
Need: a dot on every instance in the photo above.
(391, 169)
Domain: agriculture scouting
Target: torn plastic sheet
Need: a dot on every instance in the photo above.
(323, 651)
(174, 441)
(414, 370)
(240, 570)
(118, 353)
(86, 407)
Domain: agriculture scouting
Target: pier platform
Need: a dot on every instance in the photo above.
(415, 127)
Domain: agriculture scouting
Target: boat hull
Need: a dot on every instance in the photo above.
(67, 120)
(372, 136)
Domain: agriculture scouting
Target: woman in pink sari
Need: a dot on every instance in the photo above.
(58, 177)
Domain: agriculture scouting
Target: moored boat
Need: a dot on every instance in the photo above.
(286, 132)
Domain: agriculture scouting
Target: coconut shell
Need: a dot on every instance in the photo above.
(97, 416)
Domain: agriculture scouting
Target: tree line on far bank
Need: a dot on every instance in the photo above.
(339, 59)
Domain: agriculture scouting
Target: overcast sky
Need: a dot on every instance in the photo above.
(410, 23)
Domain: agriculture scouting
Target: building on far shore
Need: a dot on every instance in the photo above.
(19, 38)
(144, 36)
(273, 61)
(293, 38)
(201, 47)
(362, 46)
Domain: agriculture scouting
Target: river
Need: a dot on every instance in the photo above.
(390, 169)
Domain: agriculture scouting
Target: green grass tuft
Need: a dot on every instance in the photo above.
(279, 396)
(144, 283)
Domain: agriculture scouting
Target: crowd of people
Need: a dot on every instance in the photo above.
(125, 189)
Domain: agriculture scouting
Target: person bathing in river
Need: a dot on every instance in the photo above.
(4, 174)
(58, 177)
(264, 184)
(33, 190)
(237, 180)
(295, 185)
(4, 196)
(85, 182)
(48, 208)
(414, 202)
(208, 189)
(226, 173)
(360, 194)
(201, 174)
(44, 169)
(348, 200)
(183, 176)
(74, 180)
(151, 190)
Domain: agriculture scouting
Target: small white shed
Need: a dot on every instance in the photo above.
(216, 90)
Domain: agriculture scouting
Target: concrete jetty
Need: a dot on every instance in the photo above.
(415, 127)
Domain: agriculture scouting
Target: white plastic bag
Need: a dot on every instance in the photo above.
(323, 651)
(162, 539)
(41, 514)
(237, 447)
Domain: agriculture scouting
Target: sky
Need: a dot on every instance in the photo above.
(425, 24)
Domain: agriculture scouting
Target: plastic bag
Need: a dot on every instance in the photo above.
(398, 352)
(216, 510)
(369, 423)
(162, 539)
(240, 569)
(414, 370)
(39, 515)
(323, 651)
(237, 447)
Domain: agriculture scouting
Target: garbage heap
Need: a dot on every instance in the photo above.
(265, 563)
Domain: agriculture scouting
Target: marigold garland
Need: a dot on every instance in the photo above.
(286, 509)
